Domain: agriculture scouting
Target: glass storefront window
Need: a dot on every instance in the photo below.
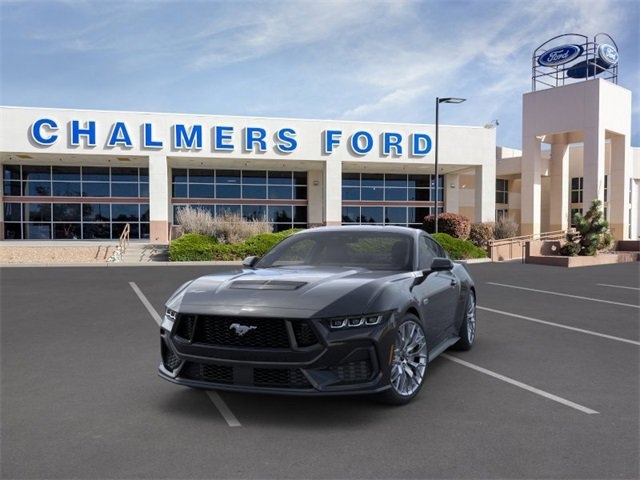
(36, 172)
(254, 212)
(95, 189)
(12, 212)
(199, 190)
(66, 212)
(66, 189)
(124, 190)
(65, 174)
(254, 191)
(38, 189)
(95, 174)
(280, 192)
(124, 212)
(96, 212)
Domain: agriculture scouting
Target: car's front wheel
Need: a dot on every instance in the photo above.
(408, 363)
(467, 332)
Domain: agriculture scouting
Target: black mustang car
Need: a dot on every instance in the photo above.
(329, 310)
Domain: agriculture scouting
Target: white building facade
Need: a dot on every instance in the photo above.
(79, 174)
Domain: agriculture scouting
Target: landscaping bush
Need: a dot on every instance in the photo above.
(196, 247)
(481, 234)
(227, 227)
(592, 233)
(454, 224)
(192, 247)
(506, 228)
(459, 249)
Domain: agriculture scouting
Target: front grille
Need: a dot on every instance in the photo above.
(169, 359)
(353, 372)
(243, 332)
(305, 336)
(280, 378)
(203, 371)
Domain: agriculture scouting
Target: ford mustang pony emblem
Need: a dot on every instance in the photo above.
(241, 329)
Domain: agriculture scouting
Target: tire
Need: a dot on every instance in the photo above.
(467, 332)
(408, 364)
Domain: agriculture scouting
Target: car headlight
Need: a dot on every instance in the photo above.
(355, 321)
(171, 314)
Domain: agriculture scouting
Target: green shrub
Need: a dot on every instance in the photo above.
(459, 249)
(196, 247)
(592, 233)
(454, 224)
(192, 247)
(481, 234)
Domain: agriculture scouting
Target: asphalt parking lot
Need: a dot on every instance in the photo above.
(550, 390)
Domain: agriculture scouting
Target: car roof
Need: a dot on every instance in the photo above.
(365, 228)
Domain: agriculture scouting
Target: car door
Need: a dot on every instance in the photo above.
(438, 293)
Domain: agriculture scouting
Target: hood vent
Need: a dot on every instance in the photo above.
(266, 285)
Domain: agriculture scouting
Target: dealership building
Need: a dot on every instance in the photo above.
(81, 174)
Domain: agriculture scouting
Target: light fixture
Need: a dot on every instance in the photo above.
(435, 185)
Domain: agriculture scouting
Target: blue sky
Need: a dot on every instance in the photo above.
(360, 60)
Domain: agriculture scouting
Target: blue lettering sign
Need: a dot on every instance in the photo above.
(222, 137)
(255, 136)
(89, 132)
(331, 139)
(361, 142)
(147, 138)
(421, 144)
(45, 124)
(119, 135)
(185, 139)
(391, 140)
(286, 142)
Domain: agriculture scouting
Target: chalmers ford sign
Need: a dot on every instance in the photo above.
(45, 132)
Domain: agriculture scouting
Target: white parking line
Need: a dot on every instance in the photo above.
(565, 295)
(524, 386)
(146, 303)
(224, 410)
(616, 286)
(222, 407)
(558, 325)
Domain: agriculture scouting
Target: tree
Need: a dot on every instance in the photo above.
(591, 235)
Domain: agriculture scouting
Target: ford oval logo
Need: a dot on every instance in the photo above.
(559, 55)
(608, 54)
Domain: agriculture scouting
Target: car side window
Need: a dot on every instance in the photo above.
(428, 250)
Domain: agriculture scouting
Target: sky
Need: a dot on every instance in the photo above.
(357, 60)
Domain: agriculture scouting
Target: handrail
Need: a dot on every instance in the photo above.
(515, 247)
(526, 238)
(124, 238)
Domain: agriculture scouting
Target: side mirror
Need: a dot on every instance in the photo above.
(441, 264)
(250, 262)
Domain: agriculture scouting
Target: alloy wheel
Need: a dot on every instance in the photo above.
(409, 359)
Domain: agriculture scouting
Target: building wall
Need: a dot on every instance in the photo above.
(325, 150)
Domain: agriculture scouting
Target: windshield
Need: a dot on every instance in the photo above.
(370, 250)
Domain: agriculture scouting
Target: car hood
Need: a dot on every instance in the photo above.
(294, 293)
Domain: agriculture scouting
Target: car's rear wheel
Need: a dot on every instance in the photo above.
(467, 332)
(408, 363)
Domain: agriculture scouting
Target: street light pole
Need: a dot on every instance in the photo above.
(435, 183)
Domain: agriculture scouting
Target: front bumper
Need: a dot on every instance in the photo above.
(314, 360)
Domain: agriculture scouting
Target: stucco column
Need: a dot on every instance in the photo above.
(333, 192)
(159, 185)
(485, 192)
(451, 196)
(531, 186)
(559, 188)
(618, 197)
(315, 198)
(593, 167)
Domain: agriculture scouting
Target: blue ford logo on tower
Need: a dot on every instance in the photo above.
(560, 55)
(608, 54)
